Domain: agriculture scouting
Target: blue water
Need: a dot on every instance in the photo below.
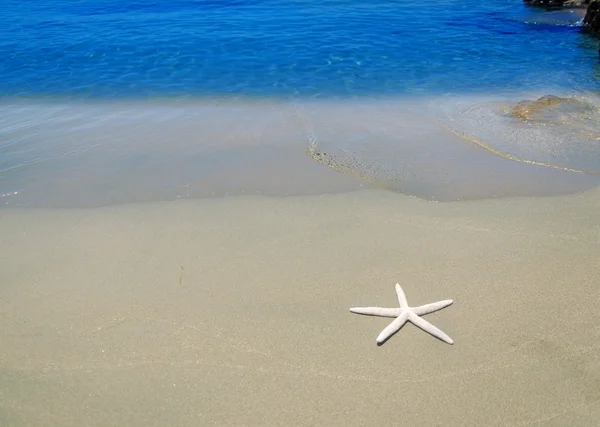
(312, 48)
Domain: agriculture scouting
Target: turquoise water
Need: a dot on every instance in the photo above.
(312, 48)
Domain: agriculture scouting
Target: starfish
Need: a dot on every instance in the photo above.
(406, 314)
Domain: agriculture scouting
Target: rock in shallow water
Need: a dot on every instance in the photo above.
(592, 17)
(552, 131)
(554, 109)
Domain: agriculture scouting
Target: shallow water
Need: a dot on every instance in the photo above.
(110, 153)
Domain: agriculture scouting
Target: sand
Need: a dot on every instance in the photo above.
(234, 311)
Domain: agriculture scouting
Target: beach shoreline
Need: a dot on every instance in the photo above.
(89, 154)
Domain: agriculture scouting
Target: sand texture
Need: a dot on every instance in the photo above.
(234, 311)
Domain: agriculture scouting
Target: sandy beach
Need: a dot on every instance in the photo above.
(234, 311)
(194, 194)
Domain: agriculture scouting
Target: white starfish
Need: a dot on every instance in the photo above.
(405, 314)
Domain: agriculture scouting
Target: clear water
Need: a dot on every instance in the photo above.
(111, 101)
(312, 48)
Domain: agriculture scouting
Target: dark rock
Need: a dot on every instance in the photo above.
(592, 17)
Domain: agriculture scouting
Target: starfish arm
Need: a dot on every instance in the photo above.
(376, 311)
(430, 308)
(428, 327)
(392, 328)
(401, 297)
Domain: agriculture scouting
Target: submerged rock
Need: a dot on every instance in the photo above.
(558, 3)
(552, 131)
(553, 109)
(557, 12)
(555, 17)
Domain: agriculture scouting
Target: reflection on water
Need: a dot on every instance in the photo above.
(568, 17)
(107, 153)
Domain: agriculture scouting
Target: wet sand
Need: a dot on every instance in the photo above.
(234, 311)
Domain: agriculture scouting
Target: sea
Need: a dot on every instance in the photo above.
(107, 102)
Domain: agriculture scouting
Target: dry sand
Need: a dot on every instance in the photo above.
(234, 311)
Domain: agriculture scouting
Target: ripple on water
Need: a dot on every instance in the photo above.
(95, 48)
